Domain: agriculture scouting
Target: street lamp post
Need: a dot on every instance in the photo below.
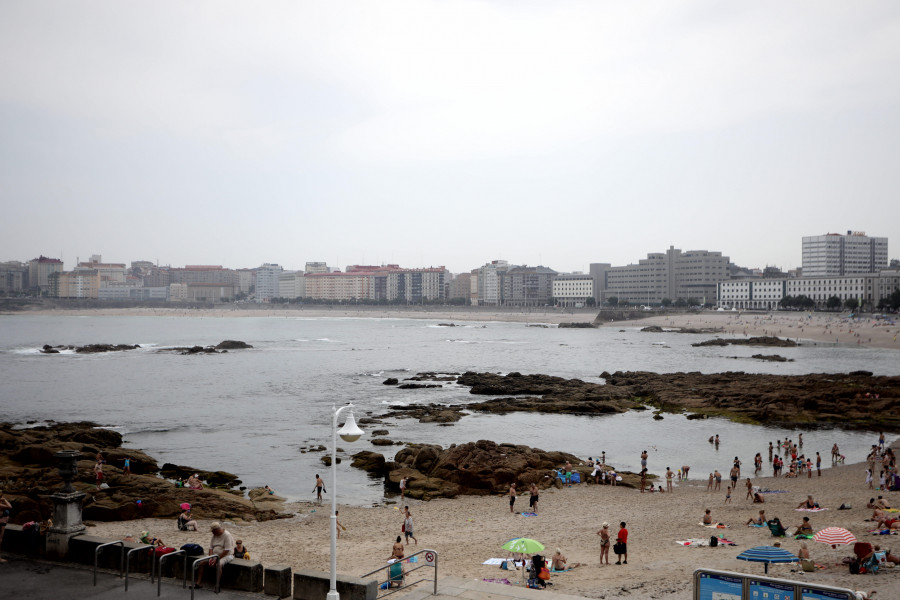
(349, 433)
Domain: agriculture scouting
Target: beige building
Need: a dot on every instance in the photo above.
(84, 283)
(461, 287)
(40, 269)
(571, 289)
(339, 286)
(110, 273)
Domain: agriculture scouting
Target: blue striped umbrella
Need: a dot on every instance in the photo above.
(767, 554)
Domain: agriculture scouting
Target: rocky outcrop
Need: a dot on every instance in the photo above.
(30, 474)
(232, 345)
(223, 346)
(578, 326)
(765, 340)
(90, 348)
(658, 329)
(772, 358)
(390, 381)
(427, 413)
(475, 468)
(856, 399)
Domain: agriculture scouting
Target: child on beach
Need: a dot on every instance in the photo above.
(728, 495)
(869, 479)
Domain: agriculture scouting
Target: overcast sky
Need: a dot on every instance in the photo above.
(449, 133)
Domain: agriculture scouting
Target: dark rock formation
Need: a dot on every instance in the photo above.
(382, 442)
(232, 345)
(427, 413)
(772, 358)
(475, 468)
(89, 349)
(30, 473)
(446, 324)
(846, 399)
(767, 340)
(432, 376)
(658, 329)
(372, 462)
(417, 386)
(390, 381)
(211, 478)
(380, 432)
(577, 326)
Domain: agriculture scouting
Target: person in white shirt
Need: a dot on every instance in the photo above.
(221, 545)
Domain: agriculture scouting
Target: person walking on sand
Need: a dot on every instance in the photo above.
(728, 495)
(320, 487)
(512, 498)
(338, 525)
(533, 500)
(622, 540)
(819, 464)
(402, 488)
(604, 542)
(709, 486)
(669, 476)
(749, 489)
(408, 528)
(643, 479)
(718, 485)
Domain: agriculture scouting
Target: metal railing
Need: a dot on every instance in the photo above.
(215, 558)
(184, 570)
(430, 560)
(97, 555)
(128, 562)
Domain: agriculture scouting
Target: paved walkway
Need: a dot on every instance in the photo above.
(28, 579)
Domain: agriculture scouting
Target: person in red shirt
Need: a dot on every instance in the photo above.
(622, 538)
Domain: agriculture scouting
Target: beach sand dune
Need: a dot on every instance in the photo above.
(466, 531)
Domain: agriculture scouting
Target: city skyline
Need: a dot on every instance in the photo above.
(427, 134)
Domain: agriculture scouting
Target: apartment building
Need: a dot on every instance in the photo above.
(490, 286)
(40, 269)
(13, 277)
(339, 286)
(291, 285)
(83, 283)
(693, 274)
(110, 273)
(527, 286)
(267, 282)
(571, 289)
(460, 287)
(834, 255)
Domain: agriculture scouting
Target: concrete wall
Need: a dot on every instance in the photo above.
(314, 585)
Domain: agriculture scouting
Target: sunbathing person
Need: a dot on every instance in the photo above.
(760, 520)
(882, 503)
(146, 538)
(776, 527)
(559, 563)
(891, 558)
(804, 528)
(808, 503)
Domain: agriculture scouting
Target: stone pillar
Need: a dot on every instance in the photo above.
(66, 507)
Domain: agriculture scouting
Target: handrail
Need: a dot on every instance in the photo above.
(184, 570)
(197, 562)
(97, 555)
(128, 562)
(432, 557)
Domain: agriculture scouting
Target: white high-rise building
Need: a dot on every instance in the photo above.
(267, 278)
(834, 255)
(490, 289)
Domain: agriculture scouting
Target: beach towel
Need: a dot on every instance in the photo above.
(768, 491)
(756, 525)
(704, 542)
(810, 509)
(714, 525)
(803, 536)
(560, 571)
(504, 581)
(529, 514)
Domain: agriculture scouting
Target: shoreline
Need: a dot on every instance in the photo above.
(468, 530)
(832, 329)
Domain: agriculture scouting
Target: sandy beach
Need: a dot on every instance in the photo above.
(469, 530)
(820, 328)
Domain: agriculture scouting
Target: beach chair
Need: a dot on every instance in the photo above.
(396, 574)
(776, 528)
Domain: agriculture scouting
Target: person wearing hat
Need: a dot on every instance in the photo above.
(604, 542)
(185, 521)
(221, 545)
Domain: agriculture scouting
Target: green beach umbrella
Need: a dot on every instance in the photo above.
(523, 546)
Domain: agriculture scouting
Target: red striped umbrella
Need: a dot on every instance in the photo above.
(834, 536)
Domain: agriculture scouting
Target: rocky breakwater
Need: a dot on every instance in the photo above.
(858, 399)
(475, 468)
(29, 473)
(546, 393)
(763, 340)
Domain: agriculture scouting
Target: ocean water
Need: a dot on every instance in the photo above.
(252, 412)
